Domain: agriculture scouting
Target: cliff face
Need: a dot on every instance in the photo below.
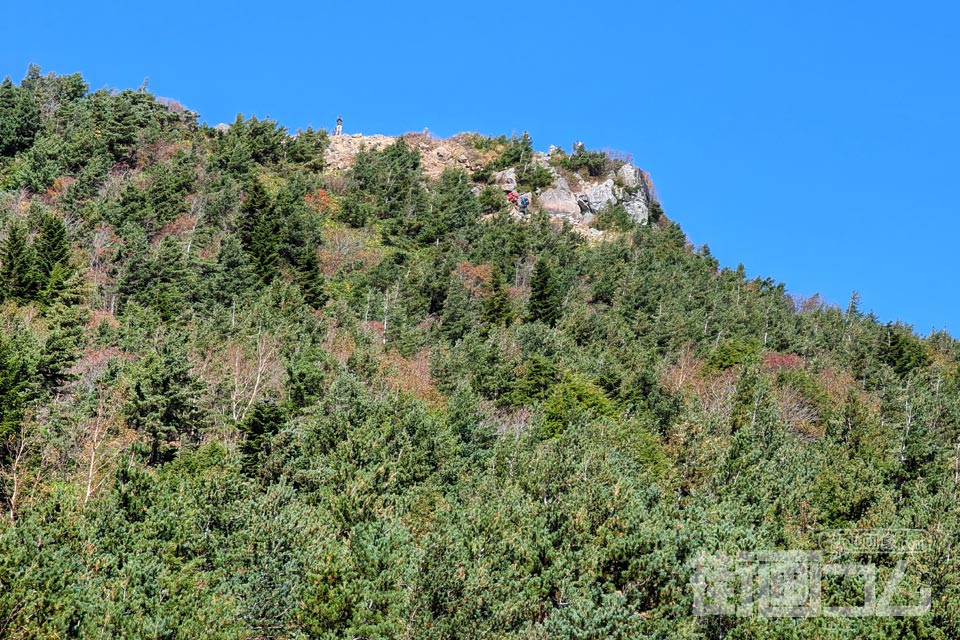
(576, 197)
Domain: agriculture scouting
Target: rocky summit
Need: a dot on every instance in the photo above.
(575, 197)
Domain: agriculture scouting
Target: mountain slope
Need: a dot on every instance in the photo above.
(255, 384)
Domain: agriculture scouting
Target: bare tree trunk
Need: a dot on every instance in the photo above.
(18, 451)
(249, 379)
(98, 437)
(196, 210)
(956, 469)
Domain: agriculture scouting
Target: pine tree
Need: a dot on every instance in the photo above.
(260, 230)
(19, 119)
(544, 305)
(310, 278)
(52, 245)
(164, 401)
(496, 306)
(8, 124)
(457, 318)
(261, 423)
(454, 209)
(235, 277)
(17, 378)
(66, 315)
(18, 271)
(169, 281)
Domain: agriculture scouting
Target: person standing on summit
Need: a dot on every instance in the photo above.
(339, 128)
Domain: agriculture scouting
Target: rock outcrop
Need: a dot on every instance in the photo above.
(601, 195)
(506, 179)
(578, 203)
(560, 202)
(343, 149)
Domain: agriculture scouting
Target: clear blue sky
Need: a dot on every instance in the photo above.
(816, 142)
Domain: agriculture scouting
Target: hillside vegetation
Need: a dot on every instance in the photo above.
(245, 395)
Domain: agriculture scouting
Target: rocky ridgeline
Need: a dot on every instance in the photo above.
(570, 197)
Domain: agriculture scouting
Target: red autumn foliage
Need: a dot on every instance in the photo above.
(92, 362)
(320, 200)
(99, 316)
(56, 190)
(776, 362)
(411, 375)
(476, 278)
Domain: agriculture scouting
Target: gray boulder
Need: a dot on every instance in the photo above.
(601, 195)
(630, 176)
(637, 207)
(506, 179)
(559, 202)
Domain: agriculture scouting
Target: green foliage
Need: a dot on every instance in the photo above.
(253, 142)
(459, 311)
(307, 147)
(497, 308)
(594, 162)
(52, 246)
(614, 218)
(19, 119)
(536, 377)
(454, 210)
(163, 402)
(263, 422)
(392, 176)
(899, 349)
(545, 295)
(234, 277)
(241, 398)
(260, 230)
(18, 365)
(67, 317)
(19, 274)
(733, 352)
(161, 282)
(518, 153)
(573, 401)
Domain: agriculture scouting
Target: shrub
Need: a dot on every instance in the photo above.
(595, 162)
(613, 218)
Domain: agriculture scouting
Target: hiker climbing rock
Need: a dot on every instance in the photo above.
(339, 128)
(524, 203)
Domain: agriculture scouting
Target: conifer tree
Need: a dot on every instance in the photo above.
(311, 279)
(18, 271)
(235, 277)
(52, 245)
(260, 231)
(164, 401)
(17, 378)
(19, 119)
(496, 306)
(457, 317)
(67, 315)
(169, 280)
(261, 423)
(544, 305)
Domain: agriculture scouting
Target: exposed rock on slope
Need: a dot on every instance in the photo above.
(577, 203)
(343, 149)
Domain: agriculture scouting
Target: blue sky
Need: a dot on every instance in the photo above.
(817, 143)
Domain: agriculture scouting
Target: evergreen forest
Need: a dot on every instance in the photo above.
(244, 394)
